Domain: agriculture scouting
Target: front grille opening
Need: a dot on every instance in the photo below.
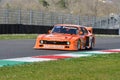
(54, 42)
(41, 45)
(66, 46)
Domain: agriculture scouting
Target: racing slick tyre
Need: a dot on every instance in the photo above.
(78, 45)
(91, 44)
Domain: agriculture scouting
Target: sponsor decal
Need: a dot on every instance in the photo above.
(54, 46)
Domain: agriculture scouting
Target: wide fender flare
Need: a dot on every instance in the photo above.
(75, 39)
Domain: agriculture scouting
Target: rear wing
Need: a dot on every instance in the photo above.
(90, 29)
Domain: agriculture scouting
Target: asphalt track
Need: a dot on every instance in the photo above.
(24, 48)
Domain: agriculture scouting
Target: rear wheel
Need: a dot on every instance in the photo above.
(78, 45)
(91, 44)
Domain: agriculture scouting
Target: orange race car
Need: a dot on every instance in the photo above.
(66, 37)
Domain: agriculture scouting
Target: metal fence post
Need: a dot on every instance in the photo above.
(70, 18)
(19, 16)
(31, 17)
(52, 18)
(42, 18)
(119, 31)
(100, 23)
(62, 19)
(6, 16)
(78, 20)
(119, 24)
(62, 16)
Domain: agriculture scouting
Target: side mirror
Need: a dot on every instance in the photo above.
(80, 33)
(49, 31)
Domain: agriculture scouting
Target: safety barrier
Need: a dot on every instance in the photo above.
(39, 29)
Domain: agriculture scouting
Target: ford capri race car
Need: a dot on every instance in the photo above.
(66, 37)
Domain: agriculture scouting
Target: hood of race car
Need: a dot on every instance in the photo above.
(58, 37)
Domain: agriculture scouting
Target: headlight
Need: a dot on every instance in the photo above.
(68, 43)
(41, 41)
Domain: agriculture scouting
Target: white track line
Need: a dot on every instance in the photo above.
(29, 59)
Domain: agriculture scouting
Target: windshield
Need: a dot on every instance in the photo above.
(65, 29)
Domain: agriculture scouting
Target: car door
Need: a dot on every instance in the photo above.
(85, 36)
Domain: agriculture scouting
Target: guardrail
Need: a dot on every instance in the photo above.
(40, 29)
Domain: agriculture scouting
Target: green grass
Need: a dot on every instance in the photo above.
(17, 36)
(98, 67)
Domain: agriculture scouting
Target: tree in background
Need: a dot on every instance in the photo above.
(76, 7)
(62, 3)
(44, 3)
(7, 5)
